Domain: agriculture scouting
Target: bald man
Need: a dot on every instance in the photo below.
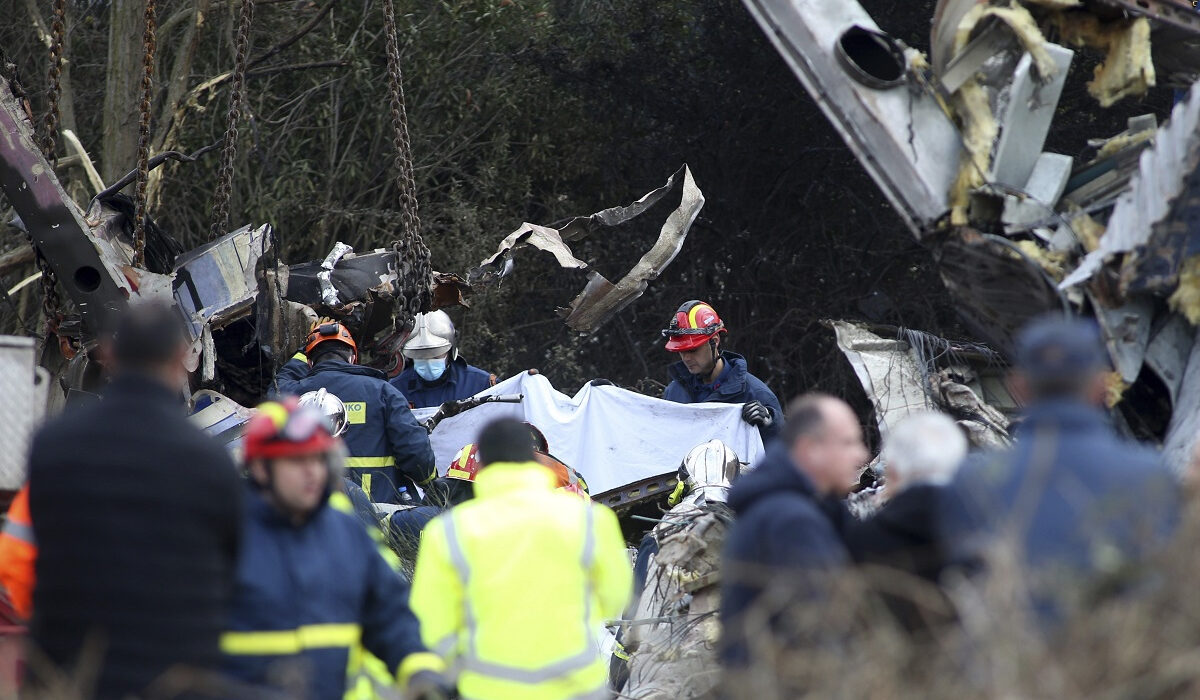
(788, 536)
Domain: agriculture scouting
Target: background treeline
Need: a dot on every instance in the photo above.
(529, 110)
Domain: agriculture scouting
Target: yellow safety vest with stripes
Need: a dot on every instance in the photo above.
(512, 588)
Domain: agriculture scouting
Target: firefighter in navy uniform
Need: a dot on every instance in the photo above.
(705, 372)
(436, 374)
(389, 451)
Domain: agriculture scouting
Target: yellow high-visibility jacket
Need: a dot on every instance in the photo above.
(512, 588)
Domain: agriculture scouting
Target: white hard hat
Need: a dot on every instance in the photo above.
(711, 466)
(330, 406)
(432, 335)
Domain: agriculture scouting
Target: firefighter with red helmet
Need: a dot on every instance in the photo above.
(311, 590)
(389, 452)
(706, 373)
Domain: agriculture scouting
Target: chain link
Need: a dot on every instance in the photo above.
(236, 96)
(58, 35)
(143, 153)
(416, 272)
(51, 301)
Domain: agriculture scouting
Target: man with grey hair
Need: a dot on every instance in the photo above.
(921, 454)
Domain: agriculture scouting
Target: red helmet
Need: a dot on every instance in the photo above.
(328, 331)
(466, 465)
(286, 429)
(695, 323)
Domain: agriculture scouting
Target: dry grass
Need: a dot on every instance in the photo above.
(1143, 642)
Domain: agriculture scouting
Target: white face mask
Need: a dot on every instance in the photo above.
(430, 370)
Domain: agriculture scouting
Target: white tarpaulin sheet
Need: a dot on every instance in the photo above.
(610, 435)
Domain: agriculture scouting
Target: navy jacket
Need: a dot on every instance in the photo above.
(734, 385)
(324, 581)
(785, 534)
(137, 516)
(388, 449)
(1079, 497)
(459, 381)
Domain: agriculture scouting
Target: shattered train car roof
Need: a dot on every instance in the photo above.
(957, 142)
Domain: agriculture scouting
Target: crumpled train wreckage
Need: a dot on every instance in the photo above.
(955, 141)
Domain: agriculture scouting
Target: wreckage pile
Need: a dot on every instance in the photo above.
(955, 140)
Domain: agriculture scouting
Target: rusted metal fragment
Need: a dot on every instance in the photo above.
(601, 299)
(450, 289)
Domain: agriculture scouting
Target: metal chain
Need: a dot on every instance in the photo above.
(58, 34)
(51, 301)
(237, 94)
(411, 250)
(143, 152)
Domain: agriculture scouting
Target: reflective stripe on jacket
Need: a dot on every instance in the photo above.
(311, 599)
(512, 587)
(18, 552)
(387, 448)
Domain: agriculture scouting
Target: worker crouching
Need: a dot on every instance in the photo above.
(312, 591)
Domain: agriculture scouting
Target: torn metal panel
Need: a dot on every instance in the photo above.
(1025, 120)
(221, 417)
(1167, 354)
(918, 372)
(902, 136)
(1185, 419)
(88, 268)
(216, 283)
(1126, 331)
(1161, 177)
(600, 299)
(888, 373)
(367, 287)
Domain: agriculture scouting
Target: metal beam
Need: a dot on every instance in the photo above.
(88, 268)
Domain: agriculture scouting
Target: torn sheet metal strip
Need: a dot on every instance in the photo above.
(329, 293)
(601, 299)
(553, 240)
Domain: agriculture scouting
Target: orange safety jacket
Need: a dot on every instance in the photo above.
(18, 552)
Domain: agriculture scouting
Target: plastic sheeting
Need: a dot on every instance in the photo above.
(610, 435)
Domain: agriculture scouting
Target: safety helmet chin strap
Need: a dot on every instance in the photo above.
(712, 345)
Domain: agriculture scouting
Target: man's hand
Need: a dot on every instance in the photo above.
(428, 685)
(757, 414)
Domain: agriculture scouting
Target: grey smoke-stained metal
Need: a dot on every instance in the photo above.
(1029, 107)
(900, 135)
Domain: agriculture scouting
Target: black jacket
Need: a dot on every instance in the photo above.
(137, 516)
(902, 536)
(785, 534)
